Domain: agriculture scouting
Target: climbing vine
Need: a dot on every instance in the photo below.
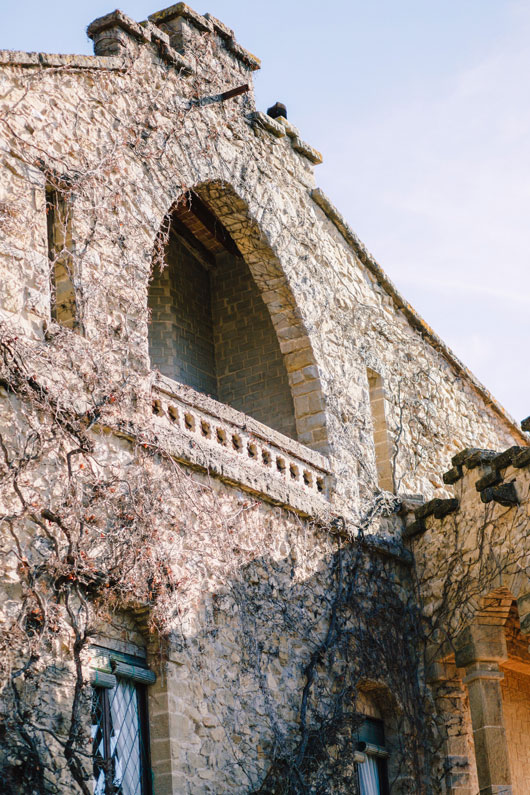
(98, 519)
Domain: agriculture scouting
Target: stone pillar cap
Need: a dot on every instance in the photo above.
(181, 10)
(119, 20)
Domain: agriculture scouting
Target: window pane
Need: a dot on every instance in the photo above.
(117, 740)
(125, 738)
(372, 731)
(98, 742)
(369, 777)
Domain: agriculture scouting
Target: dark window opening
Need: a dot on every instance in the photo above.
(210, 328)
(373, 772)
(59, 229)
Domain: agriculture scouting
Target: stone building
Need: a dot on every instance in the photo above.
(262, 532)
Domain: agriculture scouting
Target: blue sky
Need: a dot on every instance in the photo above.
(422, 112)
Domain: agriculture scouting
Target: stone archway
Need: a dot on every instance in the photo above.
(230, 222)
(494, 654)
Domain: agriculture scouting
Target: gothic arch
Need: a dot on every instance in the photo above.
(232, 218)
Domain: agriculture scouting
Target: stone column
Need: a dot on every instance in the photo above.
(479, 651)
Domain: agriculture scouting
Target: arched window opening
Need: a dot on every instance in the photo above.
(372, 771)
(210, 328)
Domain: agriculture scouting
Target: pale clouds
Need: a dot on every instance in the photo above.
(441, 194)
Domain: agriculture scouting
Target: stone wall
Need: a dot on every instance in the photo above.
(257, 591)
(516, 705)
(274, 567)
(251, 372)
(332, 317)
(181, 342)
(471, 554)
(457, 773)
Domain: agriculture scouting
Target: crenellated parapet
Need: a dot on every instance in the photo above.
(170, 32)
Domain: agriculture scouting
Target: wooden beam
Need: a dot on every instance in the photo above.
(184, 236)
(212, 224)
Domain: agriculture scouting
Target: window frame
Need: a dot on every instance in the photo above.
(374, 729)
(109, 668)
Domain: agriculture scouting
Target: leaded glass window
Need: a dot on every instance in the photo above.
(120, 739)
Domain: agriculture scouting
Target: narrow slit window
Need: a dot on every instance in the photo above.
(382, 446)
(62, 289)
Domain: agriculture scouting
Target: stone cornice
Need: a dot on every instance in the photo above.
(59, 61)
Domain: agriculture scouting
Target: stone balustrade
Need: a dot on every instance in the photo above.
(214, 437)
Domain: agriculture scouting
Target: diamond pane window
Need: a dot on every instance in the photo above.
(119, 739)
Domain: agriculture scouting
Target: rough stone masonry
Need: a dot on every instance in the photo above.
(244, 546)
